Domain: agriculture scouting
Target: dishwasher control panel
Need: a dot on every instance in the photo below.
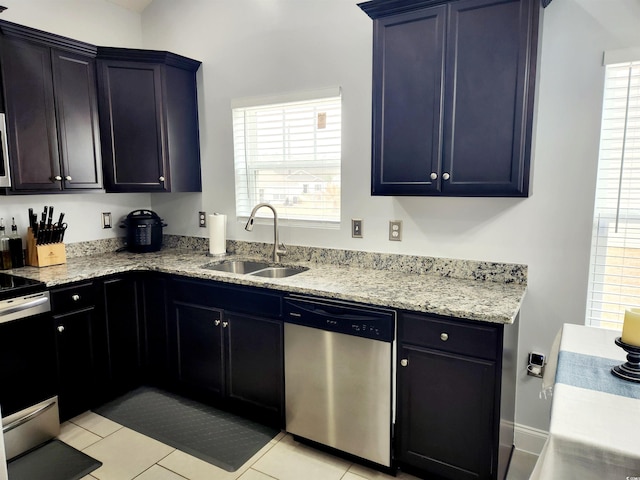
(342, 317)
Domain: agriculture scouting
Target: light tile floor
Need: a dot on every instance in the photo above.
(128, 455)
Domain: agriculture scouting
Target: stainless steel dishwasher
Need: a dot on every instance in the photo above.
(339, 375)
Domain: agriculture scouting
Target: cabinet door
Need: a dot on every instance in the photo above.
(156, 354)
(255, 364)
(75, 362)
(446, 413)
(407, 95)
(123, 326)
(78, 134)
(198, 348)
(31, 116)
(132, 126)
(488, 107)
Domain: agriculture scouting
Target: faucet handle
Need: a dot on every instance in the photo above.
(282, 249)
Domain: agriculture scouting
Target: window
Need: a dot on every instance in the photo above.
(614, 283)
(287, 152)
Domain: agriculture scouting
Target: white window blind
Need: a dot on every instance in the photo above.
(288, 154)
(615, 249)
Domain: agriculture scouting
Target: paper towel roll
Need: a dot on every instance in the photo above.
(217, 234)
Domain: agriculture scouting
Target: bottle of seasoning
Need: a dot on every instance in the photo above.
(15, 246)
(4, 247)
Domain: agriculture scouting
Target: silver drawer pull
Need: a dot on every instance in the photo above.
(61, 328)
(225, 324)
(216, 322)
(404, 362)
(444, 337)
(26, 418)
(75, 297)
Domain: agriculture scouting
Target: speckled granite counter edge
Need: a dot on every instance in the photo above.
(445, 267)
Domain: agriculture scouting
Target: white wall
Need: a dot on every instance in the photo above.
(100, 23)
(256, 47)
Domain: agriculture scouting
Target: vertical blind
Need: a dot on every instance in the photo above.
(615, 249)
(288, 154)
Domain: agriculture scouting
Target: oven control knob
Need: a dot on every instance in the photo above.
(61, 328)
(444, 337)
(404, 362)
(75, 297)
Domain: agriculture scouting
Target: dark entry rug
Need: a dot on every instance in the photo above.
(212, 435)
(54, 460)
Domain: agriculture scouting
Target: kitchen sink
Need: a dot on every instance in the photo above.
(258, 269)
(278, 272)
(237, 266)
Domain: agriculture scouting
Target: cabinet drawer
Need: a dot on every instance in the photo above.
(450, 336)
(238, 299)
(74, 297)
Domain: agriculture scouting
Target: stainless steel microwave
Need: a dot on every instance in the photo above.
(5, 177)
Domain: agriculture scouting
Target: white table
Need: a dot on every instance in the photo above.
(595, 416)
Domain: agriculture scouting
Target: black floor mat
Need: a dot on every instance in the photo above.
(54, 460)
(212, 435)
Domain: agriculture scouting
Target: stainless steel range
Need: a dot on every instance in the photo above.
(28, 371)
(339, 376)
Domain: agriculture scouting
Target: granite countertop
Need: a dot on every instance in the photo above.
(435, 293)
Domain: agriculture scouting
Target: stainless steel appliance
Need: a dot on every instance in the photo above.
(339, 375)
(27, 365)
(5, 176)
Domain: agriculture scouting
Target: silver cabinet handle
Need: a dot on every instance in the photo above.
(444, 337)
(225, 324)
(434, 176)
(404, 362)
(445, 176)
(57, 178)
(75, 297)
(161, 179)
(216, 322)
(61, 328)
(68, 178)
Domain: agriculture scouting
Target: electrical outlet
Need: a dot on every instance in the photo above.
(356, 228)
(202, 219)
(106, 220)
(395, 230)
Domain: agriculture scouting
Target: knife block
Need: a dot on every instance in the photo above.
(44, 255)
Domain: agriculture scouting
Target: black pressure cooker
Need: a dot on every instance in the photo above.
(144, 231)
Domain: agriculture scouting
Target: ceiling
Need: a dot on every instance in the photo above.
(133, 5)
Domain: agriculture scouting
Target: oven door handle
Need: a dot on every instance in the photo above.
(26, 418)
(22, 306)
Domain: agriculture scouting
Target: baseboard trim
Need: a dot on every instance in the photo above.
(529, 439)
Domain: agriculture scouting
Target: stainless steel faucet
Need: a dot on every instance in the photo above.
(277, 248)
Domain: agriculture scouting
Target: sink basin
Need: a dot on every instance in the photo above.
(237, 266)
(278, 272)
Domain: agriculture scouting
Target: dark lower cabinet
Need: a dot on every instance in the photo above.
(123, 327)
(198, 347)
(76, 326)
(153, 292)
(228, 357)
(255, 372)
(456, 397)
(76, 370)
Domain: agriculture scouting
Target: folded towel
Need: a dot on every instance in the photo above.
(549, 372)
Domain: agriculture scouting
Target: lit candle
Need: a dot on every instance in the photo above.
(631, 327)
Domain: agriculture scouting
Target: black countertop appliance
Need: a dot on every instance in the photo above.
(144, 231)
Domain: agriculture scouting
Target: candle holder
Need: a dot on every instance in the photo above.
(631, 369)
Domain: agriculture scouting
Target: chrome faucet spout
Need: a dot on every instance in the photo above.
(278, 249)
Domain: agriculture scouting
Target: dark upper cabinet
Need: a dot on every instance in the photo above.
(453, 87)
(149, 121)
(51, 111)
